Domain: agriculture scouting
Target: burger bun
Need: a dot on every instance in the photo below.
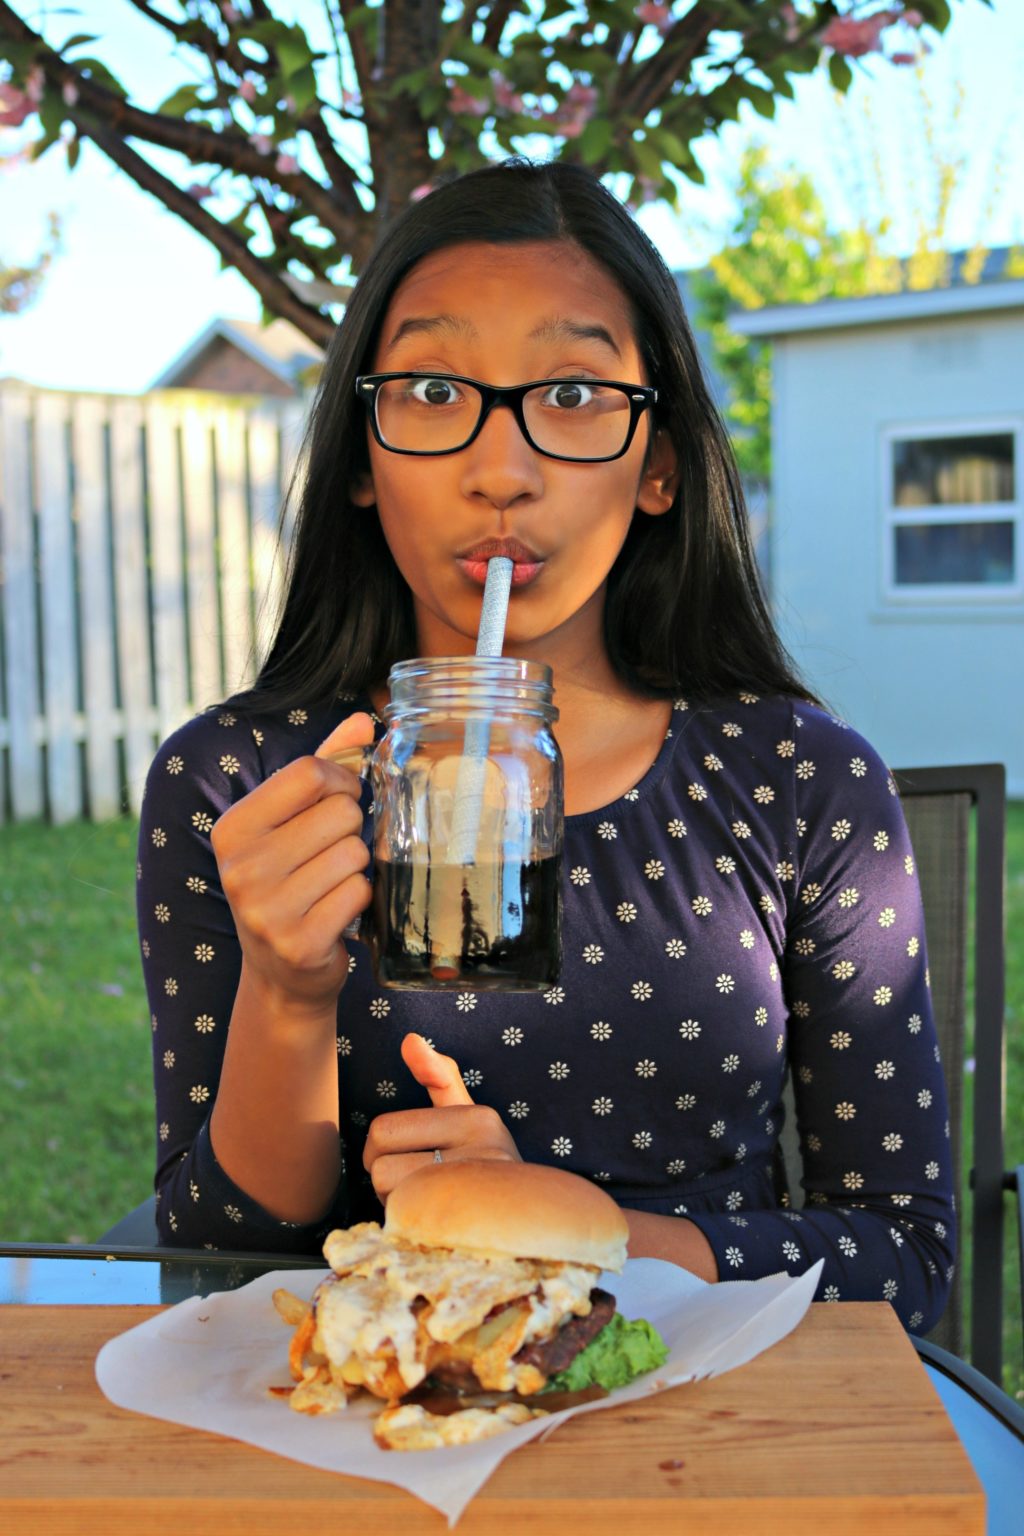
(524, 1210)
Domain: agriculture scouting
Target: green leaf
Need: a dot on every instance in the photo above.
(594, 140)
(185, 99)
(840, 73)
(781, 83)
(472, 85)
(74, 150)
(431, 101)
(302, 88)
(98, 72)
(762, 101)
(647, 158)
(724, 101)
(936, 13)
(468, 52)
(362, 16)
(52, 113)
(40, 146)
(79, 40)
(670, 145)
(20, 56)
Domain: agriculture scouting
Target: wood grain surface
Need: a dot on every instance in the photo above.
(836, 1429)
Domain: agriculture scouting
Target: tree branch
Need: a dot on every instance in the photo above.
(649, 84)
(226, 53)
(361, 61)
(201, 145)
(501, 10)
(410, 40)
(275, 293)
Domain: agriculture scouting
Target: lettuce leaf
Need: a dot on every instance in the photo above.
(620, 1352)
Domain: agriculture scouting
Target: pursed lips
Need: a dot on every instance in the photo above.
(526, 565)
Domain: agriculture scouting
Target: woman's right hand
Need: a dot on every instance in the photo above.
(291, 861)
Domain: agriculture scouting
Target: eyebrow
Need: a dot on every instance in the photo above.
(553, 328)
(557, 328)
(433, 325)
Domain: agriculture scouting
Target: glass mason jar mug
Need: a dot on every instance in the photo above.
(468, 822)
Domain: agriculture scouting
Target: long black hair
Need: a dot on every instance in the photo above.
(685, 610)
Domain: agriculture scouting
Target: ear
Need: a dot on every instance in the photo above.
(660, 479)
(362, 491)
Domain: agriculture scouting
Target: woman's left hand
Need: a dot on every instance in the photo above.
(399, 1143)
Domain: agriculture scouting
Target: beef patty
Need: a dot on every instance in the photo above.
(549, 1356)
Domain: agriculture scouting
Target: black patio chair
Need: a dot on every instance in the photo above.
(940, 805)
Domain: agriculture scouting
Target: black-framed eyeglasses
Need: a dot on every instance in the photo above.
(586, 421)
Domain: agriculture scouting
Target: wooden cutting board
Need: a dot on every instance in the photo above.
(836, 1429)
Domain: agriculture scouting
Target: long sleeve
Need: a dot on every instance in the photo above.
(870, 1097)
(191, 961)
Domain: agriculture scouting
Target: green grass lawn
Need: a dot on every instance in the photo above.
(76, 1130)
(76, 1122)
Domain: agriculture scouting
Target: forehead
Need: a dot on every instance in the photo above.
(496, 289)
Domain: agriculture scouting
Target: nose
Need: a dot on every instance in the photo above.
(500, 466)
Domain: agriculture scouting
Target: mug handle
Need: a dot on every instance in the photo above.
(360, 760)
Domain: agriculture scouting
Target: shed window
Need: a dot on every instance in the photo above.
(954, 514)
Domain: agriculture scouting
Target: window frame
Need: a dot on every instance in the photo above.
(935, 594)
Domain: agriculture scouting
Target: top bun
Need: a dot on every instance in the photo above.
(526, 1210)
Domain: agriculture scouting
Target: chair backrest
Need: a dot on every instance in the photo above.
(948, 811)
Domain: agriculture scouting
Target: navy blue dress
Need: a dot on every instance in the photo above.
(750, 905)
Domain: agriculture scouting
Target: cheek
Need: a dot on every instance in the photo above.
(411, 508)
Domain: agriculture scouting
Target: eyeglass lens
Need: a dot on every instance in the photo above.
(570, 418)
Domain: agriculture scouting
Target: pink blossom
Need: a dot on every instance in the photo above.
(69, 91)
(35, 84)
(575, 110)
(913, 18)
(199, 191)
(351, 100)
(286, 165)
(792, 20)
(655, 14)
(15, 107)
(262, 142)
(903, 58)
(247, 90)
(504, 96)
(579, 95)
(461, 101)
(855, 38)
(231, 14)
(419, 193)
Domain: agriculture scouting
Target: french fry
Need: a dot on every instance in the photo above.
(301, 1340)
(290, 1307)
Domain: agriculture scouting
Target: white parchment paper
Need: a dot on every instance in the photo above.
(208, 1362)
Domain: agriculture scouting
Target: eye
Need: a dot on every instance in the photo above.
(433, 391)
(569, 395)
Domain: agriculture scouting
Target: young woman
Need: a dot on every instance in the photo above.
(740, 896)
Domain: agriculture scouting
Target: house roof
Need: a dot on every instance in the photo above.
(988, 290)
(280, 347)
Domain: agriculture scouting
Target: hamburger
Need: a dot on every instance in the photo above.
(472, 1309)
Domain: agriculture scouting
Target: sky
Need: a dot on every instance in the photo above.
(133, 285)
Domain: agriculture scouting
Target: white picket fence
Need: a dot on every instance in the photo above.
(140, 577)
